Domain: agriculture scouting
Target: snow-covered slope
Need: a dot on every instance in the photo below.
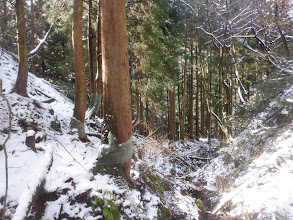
(254, 175)
(250, 179)
(57, 182)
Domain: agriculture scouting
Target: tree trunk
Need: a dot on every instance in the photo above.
(182, 122)
(99, 78)
(34, 71)
(79, 69)
(197, 98)
(140, 126)
(153, 126)
(4, 19)
(162, 124)
(141, 118)
(190, 102)
(22, 77)
(202, 108)
(209, 90)
(92, 78)
(117, 127)
(172, 115)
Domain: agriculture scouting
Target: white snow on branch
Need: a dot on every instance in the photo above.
(42, 41)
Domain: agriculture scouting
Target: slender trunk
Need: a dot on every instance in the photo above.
(141, 119)
(117, 128)
(153, 126)
(182, 122)
(172, 115)
(179, 108)
(202, 113)
(209, 88)
(147, 116)
(197, 98)
(220, 105)
(34, 71)
(162, 124)
(190, 102)
(140, 126)
(4, 24)
(90, 39)
(136, 119)
(79, 69)
(99, 77)
(22, 77)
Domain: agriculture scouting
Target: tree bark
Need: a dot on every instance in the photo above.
(4, 24)
(141, 126)
(116, 83)
(182, 122)
(90, 39)
(172, 114)
(99, 78)
(190, 102)
(153, 126)
(34, 71)
(197, 98)
(80, 79)
(202, 109)
(22, 77)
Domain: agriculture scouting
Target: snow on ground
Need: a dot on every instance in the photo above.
(254, 175)
(251, 178)
(60, 173)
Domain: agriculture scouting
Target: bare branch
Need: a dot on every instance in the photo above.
(5, 152)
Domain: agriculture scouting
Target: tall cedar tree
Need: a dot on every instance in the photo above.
(116, 82)
(33, 31)
(22, 77)
(80, 79)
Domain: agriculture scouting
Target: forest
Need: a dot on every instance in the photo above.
(146, 109)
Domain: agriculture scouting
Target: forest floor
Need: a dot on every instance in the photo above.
(249, 179)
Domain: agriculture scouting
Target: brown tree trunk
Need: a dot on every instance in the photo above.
(209, 89)
(141, 118)
(79, 69)
(22, 77)
(190, 102)
(172, 115)
(202, 109)
(90, 39)
(140, 126)
(182, 121)
(220, 105)
(34, 71)
(162, 124)
(153, 126)
(4, 20)
(197, 98)
(117, 128)
(99, 78)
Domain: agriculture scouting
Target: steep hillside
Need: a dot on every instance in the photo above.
(57, 181)
(251, 178)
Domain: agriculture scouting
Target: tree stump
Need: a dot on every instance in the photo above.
(30, 140)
